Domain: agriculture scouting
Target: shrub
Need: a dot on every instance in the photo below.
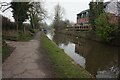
(105, 29)
(32, 30)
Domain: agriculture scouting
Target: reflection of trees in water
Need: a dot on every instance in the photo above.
(98, 56)
(60, 39)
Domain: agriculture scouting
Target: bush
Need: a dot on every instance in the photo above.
(104, 29)
(25, 37)
(32, 30)
(11, 38)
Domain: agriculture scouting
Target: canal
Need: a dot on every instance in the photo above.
(99, 59)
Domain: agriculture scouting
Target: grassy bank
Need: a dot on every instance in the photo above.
(6, 51)
(64, 66)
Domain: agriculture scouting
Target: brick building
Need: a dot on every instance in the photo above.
(112, 8)
(83, 20)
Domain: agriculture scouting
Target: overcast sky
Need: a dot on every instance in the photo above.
(71, 7)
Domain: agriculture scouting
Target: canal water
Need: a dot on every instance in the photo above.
(99, 59)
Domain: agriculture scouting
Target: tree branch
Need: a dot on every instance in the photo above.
(3, 4)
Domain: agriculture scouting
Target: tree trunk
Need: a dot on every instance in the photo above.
(17, 29)
(31, 20)
(24, 29)
(17, 25)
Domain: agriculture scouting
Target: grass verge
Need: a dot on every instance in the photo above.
(25, 37)
(12, 35)
(64, 66)
(6, 51)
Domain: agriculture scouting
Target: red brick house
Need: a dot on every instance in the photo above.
(83, 20)
(113, 18)
(112, 8)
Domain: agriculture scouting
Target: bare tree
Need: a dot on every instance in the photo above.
(37, 14)
(4, 6)
(58, 15)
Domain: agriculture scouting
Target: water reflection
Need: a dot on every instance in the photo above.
(60, 39)
(70, 50)
(99, 59)
(50, 34)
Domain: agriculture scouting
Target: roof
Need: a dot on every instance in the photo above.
(83, 12)
(106, 3)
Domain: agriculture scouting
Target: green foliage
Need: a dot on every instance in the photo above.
(19, 10)
(103, 28)
(25, 37)
(96, 8)
(32, 30)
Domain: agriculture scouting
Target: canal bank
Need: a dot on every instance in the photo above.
(101, 60)
(64, 66)
(91, 35)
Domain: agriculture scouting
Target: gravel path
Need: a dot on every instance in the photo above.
(28, 60)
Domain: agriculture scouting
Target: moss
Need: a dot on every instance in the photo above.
(64, 66)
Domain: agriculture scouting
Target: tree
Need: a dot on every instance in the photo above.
(118, 8)
(37, 14)
(4, 4)
(96, 8)
(105, 29)
(59, 12)
(19, 10)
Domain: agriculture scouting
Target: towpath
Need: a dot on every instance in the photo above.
(28, 60)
